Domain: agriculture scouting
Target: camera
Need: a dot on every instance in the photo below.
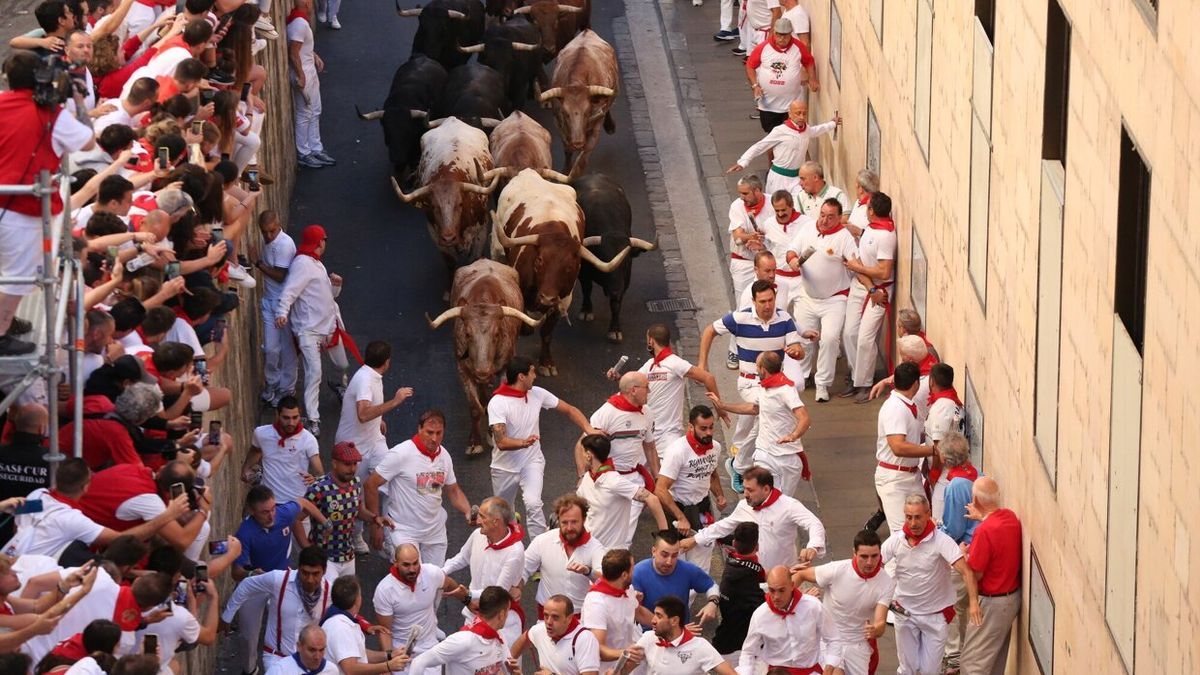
(252, 183)
(53, 83)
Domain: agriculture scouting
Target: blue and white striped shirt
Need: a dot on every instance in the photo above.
(754, 337)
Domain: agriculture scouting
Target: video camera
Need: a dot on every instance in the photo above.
(56, 81)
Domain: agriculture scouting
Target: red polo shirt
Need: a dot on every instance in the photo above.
(996, 553)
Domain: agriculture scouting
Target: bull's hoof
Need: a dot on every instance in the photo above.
(475, 450)
(615, 337)
(586, 316)
(547, 371)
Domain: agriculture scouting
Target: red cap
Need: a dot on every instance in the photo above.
(346, 452)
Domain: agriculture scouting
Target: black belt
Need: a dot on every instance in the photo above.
(1000, 595)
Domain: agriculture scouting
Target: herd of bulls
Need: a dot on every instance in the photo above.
(455, 134)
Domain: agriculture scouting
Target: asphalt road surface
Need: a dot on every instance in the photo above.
(394, 275)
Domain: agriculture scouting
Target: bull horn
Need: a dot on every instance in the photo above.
(509, 242)
(415, 11)
(525, 47)
(603, 267)
(452, 313)
(455, 14)
(419, 114)
(591, 241)
(479, 189)
(489, 122)
(570, 9)
(501, 171)
(433, 124)
(518, 314)
(597, 90)
(642, 244)
(409, 198)
(553, 92)
(373, 115)
(551, 174)
(473, 49)
(522, 10)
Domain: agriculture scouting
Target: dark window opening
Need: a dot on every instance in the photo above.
(1058, 83)
(1133, 229)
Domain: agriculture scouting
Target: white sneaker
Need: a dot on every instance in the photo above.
(265, 28)
(360, 546)
(257, 46)
(822, 394)
(334, 23)
(238, 275)
(697, 3)
(321, 18)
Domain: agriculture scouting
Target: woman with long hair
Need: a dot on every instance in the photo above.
(238, 139)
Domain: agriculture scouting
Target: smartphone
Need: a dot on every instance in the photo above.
(214, 433)
(111, 256)
(201, 571)
(207, 96)
(198, 127)
(413, 634)
(177, 489)
(181, 593)
(179, 4)
(195, 420)
(30, 506)
(172, 270)
(133, 160)
(245, 92)
(164, 158)
(150, 644)
(252, 180)
(218, 548)
(218, 331)
(218, 235)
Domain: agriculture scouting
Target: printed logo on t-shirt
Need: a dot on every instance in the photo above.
(658, 376)
(494, 669)
(431, 482)
(683, 656)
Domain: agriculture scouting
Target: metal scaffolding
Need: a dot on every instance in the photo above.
(60, 281)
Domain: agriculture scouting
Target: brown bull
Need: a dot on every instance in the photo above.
(558, 21)
(583, 89)
(486, 300)
(519, 143)
(539, 228)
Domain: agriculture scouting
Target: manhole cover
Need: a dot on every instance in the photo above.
(670, 305)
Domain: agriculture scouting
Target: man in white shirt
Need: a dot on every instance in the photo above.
(865, 185)
(307, 303)
(782, 420)
(496, 557)
(478, 647)
(780, 519)
(671, 649)
(786, 631)
(346, 640)
(279, 351)
(142, 97)
(563, 645)
(822, 251)
(667, 374)
(945, 417)
(611, 498)
(625, 421)
(856, 592)
(295, 598)
(611, 609)
(923, 556)
(778, 69)
(414, 475)
(898, 448)
(568, 557)
(792, 11)
(288, 453)
(866, 307)
(309, 657)
(787, 144)
(687, 477)
(514, 417)
(745, 241)
(779, 236)
(304, 65)
(755, 21)
(813, 190)
(407, 600)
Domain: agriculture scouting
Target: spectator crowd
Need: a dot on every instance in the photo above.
(115, 569)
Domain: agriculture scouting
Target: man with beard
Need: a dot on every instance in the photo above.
(611, 498)
(672, 649)
(856, 592)
(667, 374)
(287, 452)
(567, 557)
(407, 599)
(563, 646)
(687, 476)
(338, 495)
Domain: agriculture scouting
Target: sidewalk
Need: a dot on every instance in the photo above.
(715, 112)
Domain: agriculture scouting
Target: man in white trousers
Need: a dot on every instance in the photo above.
(688, 481)
(898, 449)
(870, 295)
(305, 64)
(788, 144)
(279, 351)
(745, 241)
(667, 373)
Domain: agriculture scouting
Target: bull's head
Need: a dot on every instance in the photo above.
(402, 129)
(502, 8)
(579, 109)
(556, 259)
(484, 336)
(437, 28)
(545, 15)
(456, 208)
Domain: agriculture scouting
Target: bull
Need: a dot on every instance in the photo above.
(474, 94)
(558, 21)
(485, 300)
(520, 143)
(608, 230)
(582, 92)
(442, 25)
(415, 87)
(512, 49)
(454, 191)
(538, 230)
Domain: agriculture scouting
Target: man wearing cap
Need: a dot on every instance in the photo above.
(777, 71)
(338, 495)
(788, 145)
(307, 303)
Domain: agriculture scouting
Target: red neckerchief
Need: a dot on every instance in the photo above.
(786, 611)
(862, 201)
(967, 471)
(396, 573)
(697, 447)
(297, 14)
(854, 564)
(755, 210)
(659, 357)
(771, 499)
(311, 236)
(416, 440)
(605, 466)
(910, 535)
(480, 628)
(582, 541)
(792, 125)
(926, 365)
(506, 389)
(71, 648)
(945, 394)
(602, 586)
(794, 218)
(284, 436)
(515, 534)
(126, 612)
(570, 629)
(180, 314)
(831, 231)
(776, 380)
(883, 224)
(912, 407)
(65, 499)
(683, 637)
(619, 402)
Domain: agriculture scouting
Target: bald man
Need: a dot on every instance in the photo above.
(994, 557)
(787, 145)
(309, 658)
(630, 430)
(786, 631)
(408, 597)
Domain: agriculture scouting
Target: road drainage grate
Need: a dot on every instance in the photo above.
(670, 305)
